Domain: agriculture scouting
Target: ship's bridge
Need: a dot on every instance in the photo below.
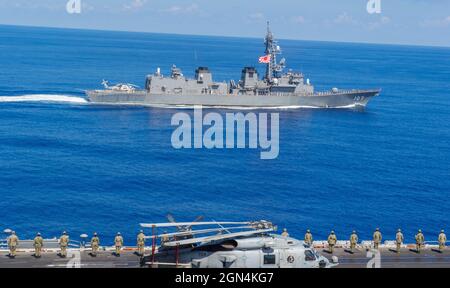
(249, 77)
(203, 75)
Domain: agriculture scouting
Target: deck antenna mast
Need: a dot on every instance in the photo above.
(272, 49)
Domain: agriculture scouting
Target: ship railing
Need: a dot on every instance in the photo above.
(48, 244)
(3, 244)
(324, 93)
(54, 244)
(340, 92)
(280, 94)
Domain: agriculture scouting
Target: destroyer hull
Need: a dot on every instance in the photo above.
(335, 100)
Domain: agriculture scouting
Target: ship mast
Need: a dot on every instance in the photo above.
(269, 51)
(272, 49)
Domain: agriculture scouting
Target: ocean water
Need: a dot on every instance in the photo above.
(69, 165)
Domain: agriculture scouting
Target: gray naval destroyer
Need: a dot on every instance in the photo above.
(276, 89)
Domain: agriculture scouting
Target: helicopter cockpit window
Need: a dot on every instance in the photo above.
(309, 255)
(269, 259)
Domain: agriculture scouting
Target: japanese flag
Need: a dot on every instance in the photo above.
(264, 59)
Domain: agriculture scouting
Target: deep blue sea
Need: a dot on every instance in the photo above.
(70, 165)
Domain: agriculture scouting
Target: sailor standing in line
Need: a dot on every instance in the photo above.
(164, 237)
(377, 238)
(63, 243)
(442, 240)
(353, 241)
(38, 242)
(420, 240)
(118, 242)
(95, 243)
(141, 243)
(332, 241)
(399, 240)
(13, 242)
(285, 233)
(308, 237)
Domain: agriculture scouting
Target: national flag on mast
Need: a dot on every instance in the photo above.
(265, 59)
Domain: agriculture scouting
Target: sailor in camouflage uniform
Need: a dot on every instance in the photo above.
(13, 242)
(308, 237)
(377, 237)
(63, 243)
(332, 241)
(141, 243)
(38, 243)
(442, 239)
(399, 239)
(164, 238)
(353, 241)
(95, 243)
(420, 241)
(118, 242)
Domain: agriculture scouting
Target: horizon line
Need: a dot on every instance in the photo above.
(225, 36)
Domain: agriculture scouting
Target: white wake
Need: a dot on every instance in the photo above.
(43, 98)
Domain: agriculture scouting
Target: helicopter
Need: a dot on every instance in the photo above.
(212, 244)
(126, 87)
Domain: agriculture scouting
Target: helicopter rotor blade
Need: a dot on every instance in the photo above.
(172, 220)
(199, 218)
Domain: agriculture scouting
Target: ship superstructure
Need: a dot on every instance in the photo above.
(274, 89)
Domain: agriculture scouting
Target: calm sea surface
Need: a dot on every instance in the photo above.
(84, 168)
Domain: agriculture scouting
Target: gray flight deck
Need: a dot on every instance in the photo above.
(52, 260)
(406, 259)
